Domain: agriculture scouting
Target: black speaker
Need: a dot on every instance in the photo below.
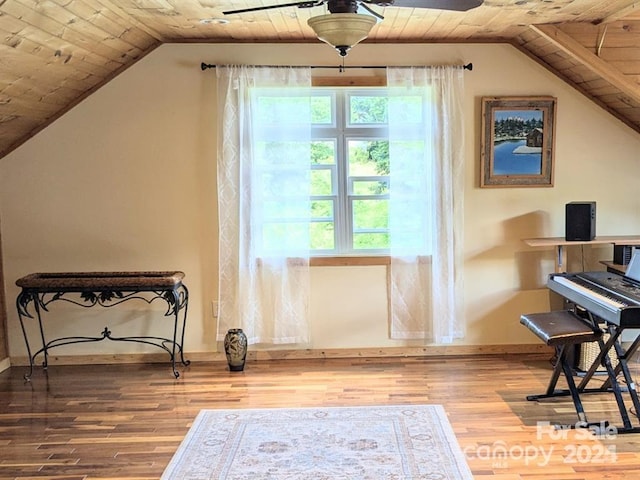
(580, 221)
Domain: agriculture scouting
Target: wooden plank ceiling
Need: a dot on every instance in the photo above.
(53, 53)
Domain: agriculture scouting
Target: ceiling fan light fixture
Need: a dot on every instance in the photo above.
(342, 30)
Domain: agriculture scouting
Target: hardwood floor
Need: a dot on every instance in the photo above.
(107, 422)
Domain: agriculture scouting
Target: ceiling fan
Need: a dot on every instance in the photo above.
(344, 27)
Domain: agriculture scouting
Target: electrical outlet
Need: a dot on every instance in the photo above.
(214, 309)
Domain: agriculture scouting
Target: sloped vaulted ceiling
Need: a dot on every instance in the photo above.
(53, 53)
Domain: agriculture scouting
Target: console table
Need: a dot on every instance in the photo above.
(105, 289)
(560, 242)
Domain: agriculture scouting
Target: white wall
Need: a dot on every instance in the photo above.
(126, 181)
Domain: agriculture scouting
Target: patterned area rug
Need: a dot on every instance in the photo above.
(409, 442)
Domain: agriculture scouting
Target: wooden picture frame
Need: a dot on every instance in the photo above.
(517, 143)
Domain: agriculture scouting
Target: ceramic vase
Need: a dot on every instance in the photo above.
(235, 347)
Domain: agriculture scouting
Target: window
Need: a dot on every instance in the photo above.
(349, 172)
(349, 177)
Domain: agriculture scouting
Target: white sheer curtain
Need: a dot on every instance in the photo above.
(426, 159)
(263, 193)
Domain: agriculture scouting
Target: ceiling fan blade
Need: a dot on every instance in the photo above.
(371, 11)
(303, 4)
(454, 5)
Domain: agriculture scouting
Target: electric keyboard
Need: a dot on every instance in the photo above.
(609, 296)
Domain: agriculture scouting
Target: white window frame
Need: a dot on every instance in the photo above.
(342, 132)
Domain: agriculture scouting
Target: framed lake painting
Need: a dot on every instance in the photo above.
(517, 141)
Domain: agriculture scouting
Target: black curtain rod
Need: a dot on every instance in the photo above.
(205, 66)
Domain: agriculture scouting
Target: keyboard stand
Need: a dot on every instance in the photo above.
(612, 384)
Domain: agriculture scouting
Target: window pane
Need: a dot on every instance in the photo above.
(281, 209)
(362, 241)
(323, 152)
(278, 186)
(274, 153)
(284, 237)
(321, 110)
(322, 209)
(370, 187)
(410, 225)
(407, 109)
(322, 236)
(367, 110)
(281, 110)
(368, 157)
(370, 214)
(321, 182)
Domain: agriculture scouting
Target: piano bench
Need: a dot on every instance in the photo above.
(561, 327)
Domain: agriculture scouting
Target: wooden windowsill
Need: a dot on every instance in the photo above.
(350, 81)
(349, 261)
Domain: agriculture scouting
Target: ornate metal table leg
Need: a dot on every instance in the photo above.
(184, 304)
(22, 301)
(45, 345)
(176, 310)
(180, 299)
